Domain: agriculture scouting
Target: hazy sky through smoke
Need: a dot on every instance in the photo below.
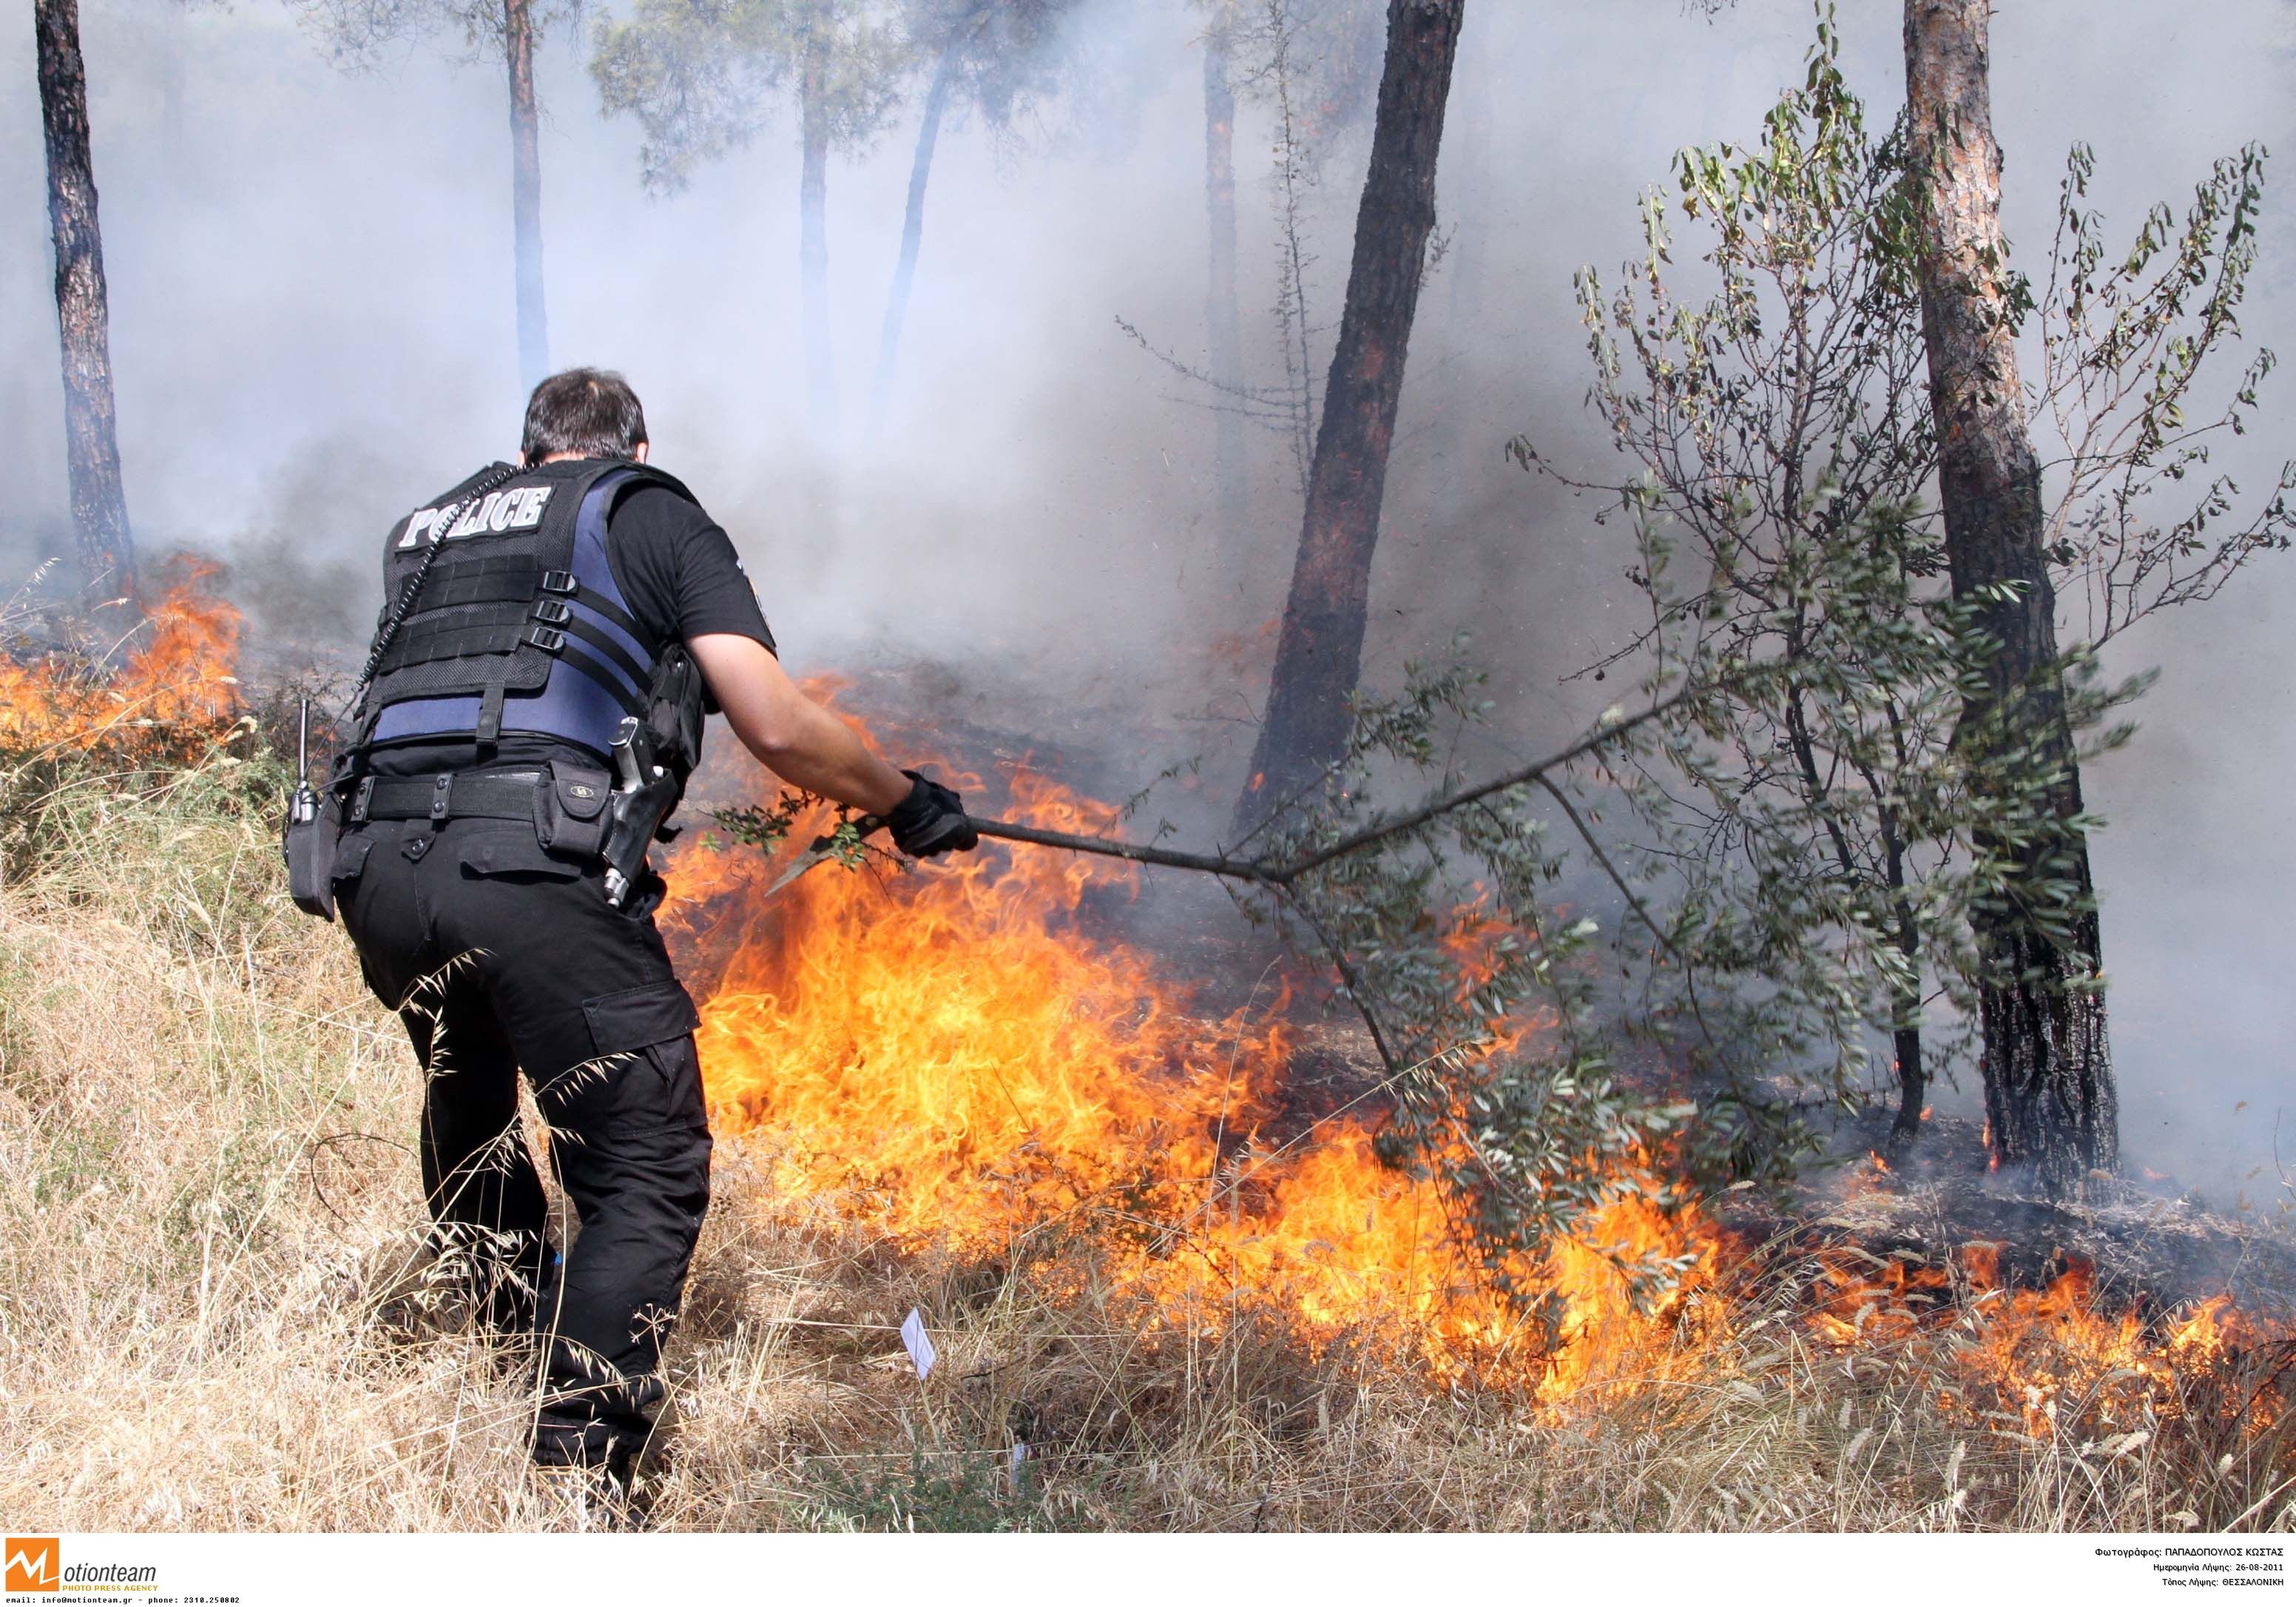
(310, 279)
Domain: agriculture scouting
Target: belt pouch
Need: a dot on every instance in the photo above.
(570, 809)
(315, 826)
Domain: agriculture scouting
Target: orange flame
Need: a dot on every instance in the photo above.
(2043, 1355)
(181, 681)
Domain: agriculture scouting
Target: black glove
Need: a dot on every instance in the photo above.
(931, 820)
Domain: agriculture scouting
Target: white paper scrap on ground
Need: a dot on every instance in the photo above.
(920, 1342)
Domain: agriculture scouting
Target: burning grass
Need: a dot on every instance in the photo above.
(1163, 1297)
(159, 694)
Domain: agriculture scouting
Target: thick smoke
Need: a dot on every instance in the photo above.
(310, 278)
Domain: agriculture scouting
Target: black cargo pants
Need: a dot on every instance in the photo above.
(500, 957)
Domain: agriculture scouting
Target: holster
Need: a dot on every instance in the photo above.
(314, 826)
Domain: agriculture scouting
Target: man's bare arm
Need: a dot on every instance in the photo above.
(790, 734)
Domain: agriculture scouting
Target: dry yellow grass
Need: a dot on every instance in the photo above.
(205, 1187)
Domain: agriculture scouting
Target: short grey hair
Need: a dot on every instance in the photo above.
(589, 412)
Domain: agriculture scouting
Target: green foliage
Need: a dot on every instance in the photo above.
(938, 1491)
(1000, 57)
(2126, 343)
(1477, 983)
(766, 828)
(702, 76)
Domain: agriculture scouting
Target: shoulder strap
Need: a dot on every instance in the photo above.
(609, 489)
(635, 474)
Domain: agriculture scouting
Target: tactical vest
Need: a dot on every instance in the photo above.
(519, 627)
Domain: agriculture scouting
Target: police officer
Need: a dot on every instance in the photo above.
(528, 613)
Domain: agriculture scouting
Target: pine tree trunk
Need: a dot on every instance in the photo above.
(1320, 648)
(913, 234)
(2049, 1092)
(526, 194)
(812, 238)
(106, 554)
(1221, 323)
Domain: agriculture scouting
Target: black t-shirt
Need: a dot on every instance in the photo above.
(679, 574)
(678, 571)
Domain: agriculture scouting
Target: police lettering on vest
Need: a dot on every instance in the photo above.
(500, 511)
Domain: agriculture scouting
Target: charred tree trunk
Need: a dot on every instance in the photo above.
(1912, 1087)
(1906, 1016)
(1320, 648)
(813, 233)
(526, 194)
(1221, 323)
(106, 554)
(913, 234)
(2049, 1093)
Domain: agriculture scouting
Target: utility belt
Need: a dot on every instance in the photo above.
(566, 803)
(577, 812)
(464, 795)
